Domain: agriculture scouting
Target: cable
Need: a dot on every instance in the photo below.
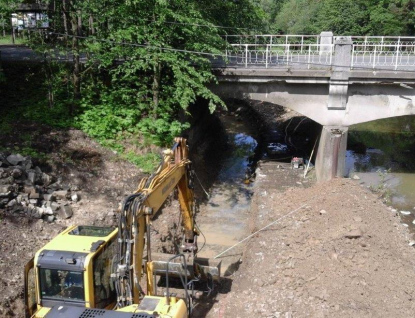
(226, 56)
(283, 60)
(272, 223)
(204, 238)
(140, 45)
(201, 185)
(198, 25)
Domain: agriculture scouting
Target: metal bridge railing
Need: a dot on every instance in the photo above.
(307, 51)
(384, 55)
(274, 55)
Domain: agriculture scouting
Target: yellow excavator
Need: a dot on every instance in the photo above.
(89, 271)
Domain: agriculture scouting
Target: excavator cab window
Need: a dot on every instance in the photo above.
(61, 285)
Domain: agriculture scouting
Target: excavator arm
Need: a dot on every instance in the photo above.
(137, 211)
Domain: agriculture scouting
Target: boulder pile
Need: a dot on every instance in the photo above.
(26, 190)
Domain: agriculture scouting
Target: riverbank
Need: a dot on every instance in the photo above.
(337, 251)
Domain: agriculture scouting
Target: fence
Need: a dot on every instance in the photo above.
(308, 51)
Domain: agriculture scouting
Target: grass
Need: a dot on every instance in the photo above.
(8, 40)
(146, 162)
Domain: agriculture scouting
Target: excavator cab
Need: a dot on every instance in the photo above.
(72, 269)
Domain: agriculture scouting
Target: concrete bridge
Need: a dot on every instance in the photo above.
(336, 81)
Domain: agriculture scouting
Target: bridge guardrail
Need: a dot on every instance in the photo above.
(271, 55)
(307, 51)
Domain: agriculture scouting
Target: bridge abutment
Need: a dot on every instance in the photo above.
(331, 154)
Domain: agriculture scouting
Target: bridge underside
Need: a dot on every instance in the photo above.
(363, 102)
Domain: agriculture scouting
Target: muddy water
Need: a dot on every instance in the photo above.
(382, 155)
(224, 219)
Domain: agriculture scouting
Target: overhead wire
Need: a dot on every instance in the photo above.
(283, 61)
(199, 25)
(265, 227)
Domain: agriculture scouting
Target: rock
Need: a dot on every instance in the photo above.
(5, 195)
(24, 197)
(48, 218)
(12, 203)
(16, 173)
(61, 194)
(54, 206)
(19, 199)
(75, 197)
(354, 234)
(46, 179)
(31, 176)
(41, 211)
(65, 211)
(411, 243)
(34, 194)
(5, 188)
(49, 211)
(49, 197)
(323, 212)
(27, 163)
(14, 160)
(356, 177)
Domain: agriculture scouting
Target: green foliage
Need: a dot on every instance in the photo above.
(7, 40)
(109, 117)
(296, 17)
(143, 68)
(346, 17)
(27, 151)
(7, 7)
(161, 131)
(146, 162)
(382, 189)
(343, 17)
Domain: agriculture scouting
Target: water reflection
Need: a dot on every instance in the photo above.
(382, 154)
(225, 217)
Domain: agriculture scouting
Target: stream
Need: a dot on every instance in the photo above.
(382, 154)
(224, 219)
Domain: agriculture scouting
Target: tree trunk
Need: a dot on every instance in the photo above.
(3, 24)
(65, 19)
(91, 25)
(76, 73)
(156, 87)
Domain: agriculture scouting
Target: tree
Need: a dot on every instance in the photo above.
(7, 7)
(161, 71)
(297, 17)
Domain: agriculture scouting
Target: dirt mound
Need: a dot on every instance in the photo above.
(337, 251)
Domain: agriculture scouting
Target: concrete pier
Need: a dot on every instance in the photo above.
(331, 154)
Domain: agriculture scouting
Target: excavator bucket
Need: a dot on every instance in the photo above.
(199, 267)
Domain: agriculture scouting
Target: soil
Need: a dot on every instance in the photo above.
(333, 249)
